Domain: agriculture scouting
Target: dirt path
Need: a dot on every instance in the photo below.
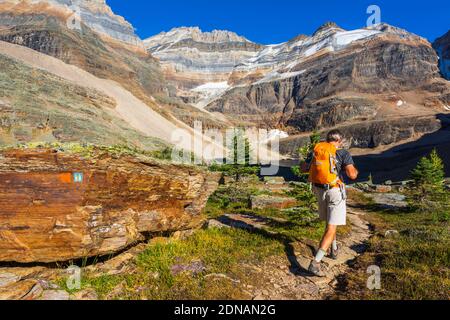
(286, 278)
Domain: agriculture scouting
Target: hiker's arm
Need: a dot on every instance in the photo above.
(305, 166)
(352, 172)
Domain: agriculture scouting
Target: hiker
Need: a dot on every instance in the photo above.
(327, 166)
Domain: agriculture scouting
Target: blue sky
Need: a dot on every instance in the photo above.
(275, 21)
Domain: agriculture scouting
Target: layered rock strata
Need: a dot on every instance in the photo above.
(57, 206)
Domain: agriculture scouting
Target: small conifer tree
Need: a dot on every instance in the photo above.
(428, 189)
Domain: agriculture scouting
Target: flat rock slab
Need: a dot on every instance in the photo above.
(23, 290)
(55, 295)
(274, 180)
(272, 202)
(85, 295)
(389, 200)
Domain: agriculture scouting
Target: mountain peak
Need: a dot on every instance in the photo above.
(195, 34)
(327, 26)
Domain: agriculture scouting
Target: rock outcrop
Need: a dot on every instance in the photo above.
(442, 47)
(57, 206)
(373, 134)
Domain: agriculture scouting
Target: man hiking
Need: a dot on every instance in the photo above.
(326, 167)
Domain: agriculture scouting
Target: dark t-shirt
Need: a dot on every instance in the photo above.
(344, 159)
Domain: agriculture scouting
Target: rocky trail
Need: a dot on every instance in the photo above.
(286, 278)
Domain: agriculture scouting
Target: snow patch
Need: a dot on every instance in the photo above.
(212, 86)
(400, 103)
(345, 38)
(209, 92)
(274, 135)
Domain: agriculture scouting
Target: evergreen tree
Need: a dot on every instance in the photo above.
(428, 183)
(239, 161)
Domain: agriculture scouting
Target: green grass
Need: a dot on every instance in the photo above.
(219, 250)
(415, 264)
(293, 224)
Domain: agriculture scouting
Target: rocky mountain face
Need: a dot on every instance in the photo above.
(61, 206)
(43, 26)
(334, 78)
(442, 47)
(192, 58)
(96, 14)
(57, 110)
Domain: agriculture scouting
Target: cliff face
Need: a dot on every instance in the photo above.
(191, 58)
(375, 68)
(442, 47)
(96, 14)
(42, 26)
(208, 55)
(46, 31)
(58, 207)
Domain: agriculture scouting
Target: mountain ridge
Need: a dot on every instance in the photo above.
(94, 13)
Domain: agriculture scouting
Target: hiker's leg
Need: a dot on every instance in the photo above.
(327, 240)
(337, 208)
(322, 202)
(330, 236)
(324, 216)
(334, 245)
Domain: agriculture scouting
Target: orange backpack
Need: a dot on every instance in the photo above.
(323, 167)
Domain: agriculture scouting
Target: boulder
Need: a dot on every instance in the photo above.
(59, 206)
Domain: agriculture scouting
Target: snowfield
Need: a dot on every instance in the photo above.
(210, 91)
(343, 39)
(212, 86)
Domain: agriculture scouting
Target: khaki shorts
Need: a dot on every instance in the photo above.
(332, 205)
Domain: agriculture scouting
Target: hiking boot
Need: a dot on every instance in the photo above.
(315, 268)
(335, 253)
